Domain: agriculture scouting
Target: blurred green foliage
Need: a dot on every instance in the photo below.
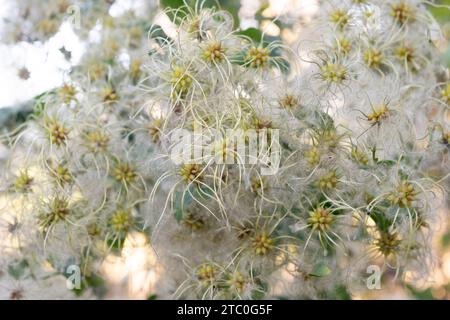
(441, 14)
(232, 6)
(447, 56)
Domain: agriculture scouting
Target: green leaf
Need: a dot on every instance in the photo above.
(178, 213)
(257, 37)
(96, 283)
(325, 120)
(254, 34)
(260, 290)
(116, 244)
(173, 4)
(447, 57)
(342, 293)
(421, 295)
(152, 297)
(445, 240)
(283, 64)
(388, 163)
(39, 108)
(40, 102)
(380, 219)
(17, 269)
(157, 33)
(182, 201)
(320, 270)
(442, 15)
(232, 6)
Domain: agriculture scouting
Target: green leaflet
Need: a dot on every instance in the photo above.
(320, 270)
(447, 57)
(442, 15)
(17, 270)
(231, 6)
(183, 200)
(380, 219)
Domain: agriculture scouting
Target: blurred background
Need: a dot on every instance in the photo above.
(28, 69)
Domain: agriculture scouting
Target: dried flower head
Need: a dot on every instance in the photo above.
(124, 172)
(402, 12)
(191, 173)
(56, 131)
(403, 195)
(320, 219)
(262, 243)
(258, 57)
(214, 53)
